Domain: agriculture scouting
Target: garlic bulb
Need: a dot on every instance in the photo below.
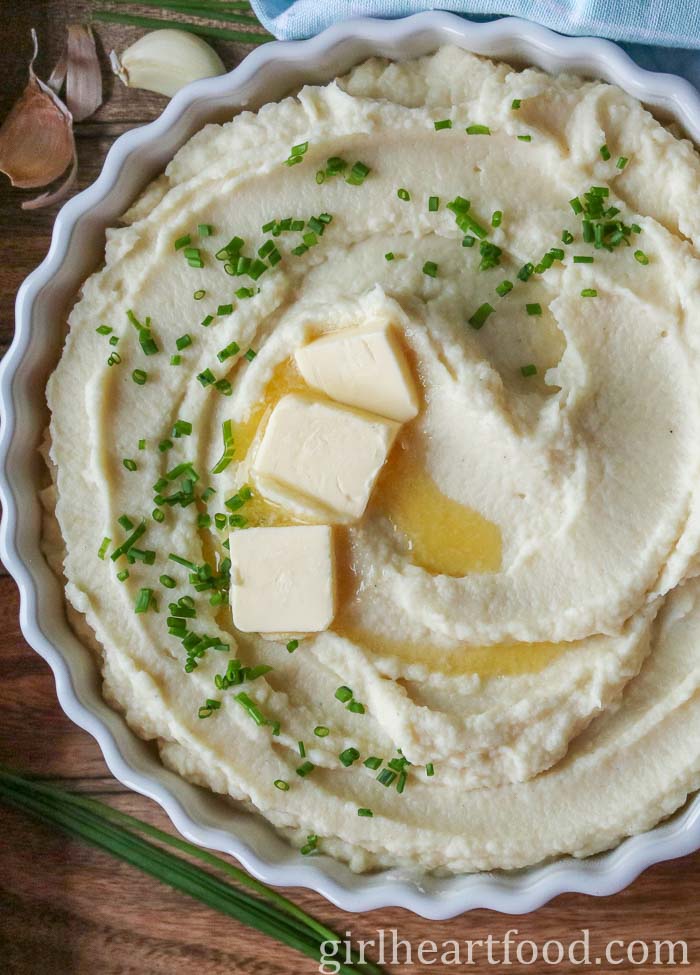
(165, 61)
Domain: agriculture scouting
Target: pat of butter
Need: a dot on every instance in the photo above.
(320, 460)
(364, 367)
(282, 579)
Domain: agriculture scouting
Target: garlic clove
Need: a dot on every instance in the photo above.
(36, 137)
(166, 60)
(83, 75)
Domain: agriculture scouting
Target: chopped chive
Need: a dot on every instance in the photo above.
(206, 378)
(227, 456)
(302, 749)
(525, 138)
(567, 237)
(114, 340)
(478, 130)
(444, 123)
(139, 376)
(167, 581)
(321, 731)
(311, 844)
(102, 550)
(158, 515)
(401, 784)
(641, 257)
(503, 288)
(143, 600)
(182, 242)
(182, 428)
(175, 360)
(165, 445)
(430, 769)
(389, 256)
(232, 349)
(244, 292)
(480, 315)
(205, 230)
(621, 162)
(556, 253)
(180, 561)
(126, 545)
(356, 707)
(349, 756)
(206, 321)
(281, 785)
(490, 255)
(583, 259)
(430, 268)
(515, 104)
(305, 768)
(251, 707)
(129, 464)
(358, 174)
(292, 646)
(635, 228)
(529, 370)
(250, 355)
(386, 777)
(343, 694)
(604, 152)
(183, 342)
(534, 309)
(365, 812)
(468, 241)
(403, 194)
(589, 293)
(125, 522)
(123, 575)
(496, 218)
(433, 204)
(142, 444)
(576, 205)
(526, 271)
(224, 309)
(373, 762)
(103, 329)
(208, 708)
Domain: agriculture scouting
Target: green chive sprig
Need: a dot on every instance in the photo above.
(160, 855)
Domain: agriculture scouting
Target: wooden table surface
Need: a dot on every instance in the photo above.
(66, 908)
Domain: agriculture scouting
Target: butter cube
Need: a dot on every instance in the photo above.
(282, 579)
(364, 367)
(320, 460)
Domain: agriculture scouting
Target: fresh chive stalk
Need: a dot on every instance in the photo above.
(123, 836)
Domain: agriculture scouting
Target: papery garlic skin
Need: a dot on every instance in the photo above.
(165, 61)
(36, 140)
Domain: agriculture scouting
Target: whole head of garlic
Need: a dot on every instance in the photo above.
(166, 60)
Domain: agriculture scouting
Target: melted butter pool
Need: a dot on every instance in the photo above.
(445, 537)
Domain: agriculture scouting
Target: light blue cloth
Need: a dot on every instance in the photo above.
(662, 35)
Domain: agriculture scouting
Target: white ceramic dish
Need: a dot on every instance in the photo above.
(76, 249)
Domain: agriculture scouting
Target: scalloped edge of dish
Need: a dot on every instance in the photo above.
(79, 227)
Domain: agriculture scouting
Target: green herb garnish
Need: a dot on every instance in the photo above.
(480, 315)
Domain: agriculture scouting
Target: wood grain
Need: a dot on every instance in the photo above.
(65, 908)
